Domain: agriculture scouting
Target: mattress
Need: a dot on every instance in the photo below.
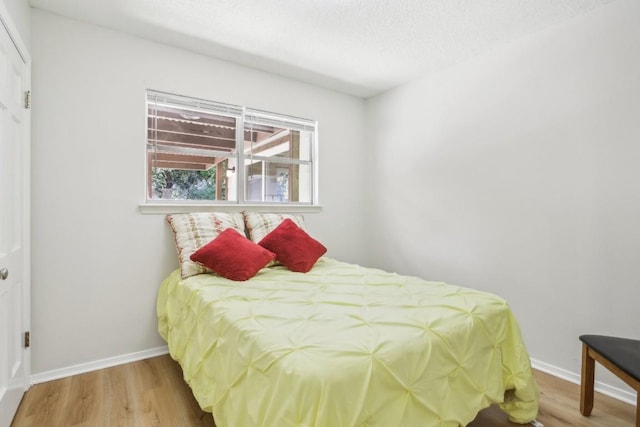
(344, 345)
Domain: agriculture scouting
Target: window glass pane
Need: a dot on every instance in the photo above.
(272, 182)
(269, 141)
(254, 181)
(216, 183)
(189, 151)
(275, 135)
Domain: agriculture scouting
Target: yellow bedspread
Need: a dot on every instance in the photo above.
(344, 345)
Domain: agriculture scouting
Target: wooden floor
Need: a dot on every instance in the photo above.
(152, 393)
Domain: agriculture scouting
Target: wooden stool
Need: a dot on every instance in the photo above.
(619, 355)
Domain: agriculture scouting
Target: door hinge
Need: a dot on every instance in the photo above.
(27, 99)
(27, 339)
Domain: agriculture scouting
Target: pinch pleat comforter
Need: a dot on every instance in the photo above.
(344, 345)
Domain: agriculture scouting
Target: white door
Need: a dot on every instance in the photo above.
(14, 226)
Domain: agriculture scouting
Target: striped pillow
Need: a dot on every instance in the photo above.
(194, 230)
(260, 224)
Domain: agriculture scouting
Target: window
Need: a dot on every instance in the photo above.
(203, 151)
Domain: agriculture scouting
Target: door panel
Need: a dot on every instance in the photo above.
(14, 289)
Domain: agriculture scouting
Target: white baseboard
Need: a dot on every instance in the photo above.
(616, 393)
(97, 364)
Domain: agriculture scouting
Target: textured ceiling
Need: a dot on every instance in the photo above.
(361, 47)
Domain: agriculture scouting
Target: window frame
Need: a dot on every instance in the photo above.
(242, 115)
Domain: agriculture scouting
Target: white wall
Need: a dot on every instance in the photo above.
(98, 262)
(518, 172)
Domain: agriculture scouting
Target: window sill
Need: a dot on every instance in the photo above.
(173, 208)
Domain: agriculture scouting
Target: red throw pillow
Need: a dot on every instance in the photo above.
(293, 246)
(233, 256)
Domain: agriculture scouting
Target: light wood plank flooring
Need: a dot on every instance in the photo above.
(152, 393)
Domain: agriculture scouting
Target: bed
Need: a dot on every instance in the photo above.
(344, 345)
(271, 332)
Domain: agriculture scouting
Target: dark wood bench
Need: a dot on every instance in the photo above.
(619, 355)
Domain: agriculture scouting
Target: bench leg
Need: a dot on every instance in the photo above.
(638, 409)
(587, 379)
